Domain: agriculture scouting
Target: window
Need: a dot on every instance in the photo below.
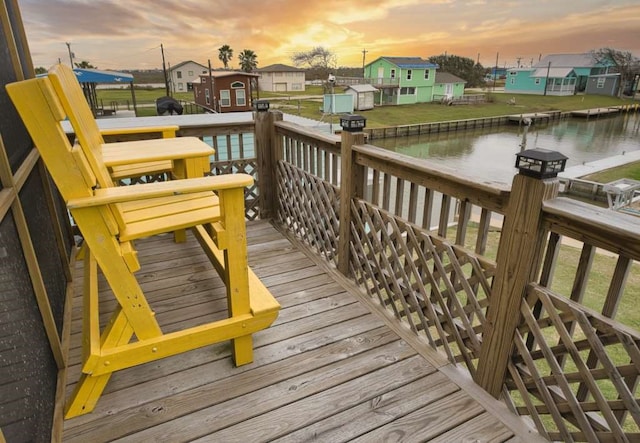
(225, 98)
(600, 83)
(190, 73)
(407, 91)
(180, 86)
(513, 80)
(237, 85)
(409, 73)
(296, 86)
(179, 74)
(512, 73)
(207, 98)
(393, 73)
(241, 99)
(426, 74)
(537, 81)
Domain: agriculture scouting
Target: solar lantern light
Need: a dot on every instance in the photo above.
(353, 122)
(540, 163)
(262, 105)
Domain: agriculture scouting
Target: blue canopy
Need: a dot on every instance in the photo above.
(97, 76)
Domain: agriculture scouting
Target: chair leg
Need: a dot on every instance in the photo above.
(242, 348)
(89, 388)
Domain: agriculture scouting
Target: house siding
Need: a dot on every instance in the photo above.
(223, 84)
(440, 89)
(521, 82)
(609, 85)
(183, 75)
(424, 88)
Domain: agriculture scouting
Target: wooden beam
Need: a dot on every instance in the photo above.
(518, 261)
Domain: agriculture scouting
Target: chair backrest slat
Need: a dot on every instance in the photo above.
(77, 109)
(42, 112)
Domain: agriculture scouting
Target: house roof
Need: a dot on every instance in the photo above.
(185, 62)
(445, 77)
(97, 76)
(409, 62)
(568, 61)
(218, 74)
(362, 88)
(552, 72)
(279, 67)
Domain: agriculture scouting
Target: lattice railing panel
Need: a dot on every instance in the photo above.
(309, 206)
(574, 371)
(439, 290)
(251, 194)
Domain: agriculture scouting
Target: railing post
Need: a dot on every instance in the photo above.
(266, 154)
(518, 263)
(348, 186)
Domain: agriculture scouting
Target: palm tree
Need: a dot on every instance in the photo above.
(248, 60)
(225, 53)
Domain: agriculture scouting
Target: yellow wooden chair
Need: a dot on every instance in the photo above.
(110, 218)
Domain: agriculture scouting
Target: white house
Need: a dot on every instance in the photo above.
(184, 74)
(280, 78)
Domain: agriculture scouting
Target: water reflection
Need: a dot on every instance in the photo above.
(489, 155)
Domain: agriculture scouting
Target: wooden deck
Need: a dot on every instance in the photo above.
(328, 370)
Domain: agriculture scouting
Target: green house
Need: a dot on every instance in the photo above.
(555, 74)
(448, 86)
(402, 80)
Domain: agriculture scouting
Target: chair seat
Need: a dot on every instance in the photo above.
(144, 218)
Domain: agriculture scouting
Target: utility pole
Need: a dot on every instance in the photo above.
(478, 59)
(70, 53)
(364, 54)
(518, 59)
(164, 70)
(546, 80)
(495, 73)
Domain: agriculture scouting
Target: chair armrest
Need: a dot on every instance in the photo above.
(168, 131)
(123, 194)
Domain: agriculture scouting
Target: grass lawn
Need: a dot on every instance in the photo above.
(299, 103)
(631, 171)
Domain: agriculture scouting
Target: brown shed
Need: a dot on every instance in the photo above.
(225, 91)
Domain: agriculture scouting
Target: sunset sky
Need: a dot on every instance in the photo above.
(126, 34)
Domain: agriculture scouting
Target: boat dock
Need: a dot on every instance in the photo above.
(605, 111)
(533, 117)
(595, 112)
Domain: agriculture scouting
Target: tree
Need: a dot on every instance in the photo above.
(462, 67)
(248, 60)
(85, 65)
(319, 60)
(622, 62)
(225, 54)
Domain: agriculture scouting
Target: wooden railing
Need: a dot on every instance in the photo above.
(469, 267)
(504, 281)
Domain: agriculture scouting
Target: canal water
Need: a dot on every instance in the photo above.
(490, 156)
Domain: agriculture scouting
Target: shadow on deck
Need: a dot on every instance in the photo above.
(328, 370)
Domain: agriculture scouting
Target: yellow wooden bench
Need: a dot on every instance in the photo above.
(110, 218)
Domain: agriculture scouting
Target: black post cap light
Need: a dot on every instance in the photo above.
(540, 163)
(262, 105)
(353, 122)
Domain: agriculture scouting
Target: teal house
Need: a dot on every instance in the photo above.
(402, 80)
(555, 74)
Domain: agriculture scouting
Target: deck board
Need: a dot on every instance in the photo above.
(327, 370)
